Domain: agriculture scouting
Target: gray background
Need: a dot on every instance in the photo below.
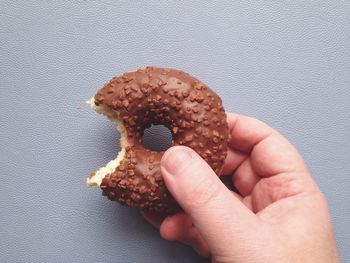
(285, 62)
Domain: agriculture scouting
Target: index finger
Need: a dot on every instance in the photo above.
(269, 152)
(245, 132)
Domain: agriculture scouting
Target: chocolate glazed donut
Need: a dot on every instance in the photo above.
(193, 113)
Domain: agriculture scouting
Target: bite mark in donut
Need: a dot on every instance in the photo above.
(134, 101)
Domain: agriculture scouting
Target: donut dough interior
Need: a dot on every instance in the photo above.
(95, 179)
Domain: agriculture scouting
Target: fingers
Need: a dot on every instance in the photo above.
(215, 211)
(176, 226)
(256, 150)
(194, 239)
(246, 132)
(245, 178)
(233, 160)
(275, 155)
(179, 227)
(269, 151)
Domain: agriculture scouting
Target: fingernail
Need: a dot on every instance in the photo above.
(176, 159)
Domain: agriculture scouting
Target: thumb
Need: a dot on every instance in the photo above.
(212, 207)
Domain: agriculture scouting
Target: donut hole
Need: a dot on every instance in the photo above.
(157, 138)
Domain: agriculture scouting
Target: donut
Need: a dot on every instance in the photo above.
(157, 96)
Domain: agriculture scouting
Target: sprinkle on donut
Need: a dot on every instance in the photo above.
(193, 113)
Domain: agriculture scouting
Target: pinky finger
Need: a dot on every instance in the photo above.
(176, 226)
(179, 227)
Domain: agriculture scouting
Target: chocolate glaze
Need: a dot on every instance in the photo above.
(193, 113)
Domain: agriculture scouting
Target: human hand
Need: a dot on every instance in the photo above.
(279, 215)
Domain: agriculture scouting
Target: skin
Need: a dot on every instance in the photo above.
(279, 214)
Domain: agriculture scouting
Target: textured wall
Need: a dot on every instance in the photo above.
(285, 63)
